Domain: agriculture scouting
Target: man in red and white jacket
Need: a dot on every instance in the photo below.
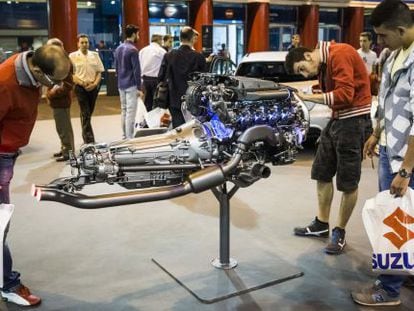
(345, 87)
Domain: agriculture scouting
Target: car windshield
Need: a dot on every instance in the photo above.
(274, 71)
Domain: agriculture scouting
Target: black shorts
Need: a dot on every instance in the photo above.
(340, 152)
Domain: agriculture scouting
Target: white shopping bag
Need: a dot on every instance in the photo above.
(6, 211)
(389, 222)
(153, 117)
(140, 115)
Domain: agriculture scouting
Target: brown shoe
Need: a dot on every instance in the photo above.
(57, 154)
(20, 295)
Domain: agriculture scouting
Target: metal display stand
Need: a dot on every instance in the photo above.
(224, 261)
(229, 279)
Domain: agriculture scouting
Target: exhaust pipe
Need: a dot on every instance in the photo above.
(43, 193)
(197, 182)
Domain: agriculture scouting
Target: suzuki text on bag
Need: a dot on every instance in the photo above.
(389, 222)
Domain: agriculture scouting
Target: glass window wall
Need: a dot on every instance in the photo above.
(168, 18)
(283, 24)
(228, 30)
(23, 26)
(329, 21)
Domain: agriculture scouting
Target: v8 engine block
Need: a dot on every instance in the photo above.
(235, 125)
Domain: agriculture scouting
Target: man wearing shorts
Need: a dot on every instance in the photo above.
(345, 87)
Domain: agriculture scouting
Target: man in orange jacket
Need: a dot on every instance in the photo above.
(20, 79)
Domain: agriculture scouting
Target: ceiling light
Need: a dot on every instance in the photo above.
(153, 9)
(170, 11)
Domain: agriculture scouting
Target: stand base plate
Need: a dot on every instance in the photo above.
(209, 284)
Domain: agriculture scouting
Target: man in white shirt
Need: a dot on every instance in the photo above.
(87, 77)
(368, 56)
(150, 58)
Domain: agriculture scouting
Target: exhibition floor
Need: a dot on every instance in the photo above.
(101, 259)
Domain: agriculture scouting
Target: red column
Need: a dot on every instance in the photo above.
(309, 25)
(136, 12)
(353, 25)
(63, 22)
(257, 32)
(201, 13)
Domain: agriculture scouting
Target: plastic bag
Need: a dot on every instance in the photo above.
(389, 223)
(6, 211)
(157, 117)
(140, 114)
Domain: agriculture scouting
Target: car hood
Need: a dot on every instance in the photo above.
(304, 86)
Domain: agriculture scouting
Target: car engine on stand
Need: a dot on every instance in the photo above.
(235, 126)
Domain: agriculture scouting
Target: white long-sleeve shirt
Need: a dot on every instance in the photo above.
(150, 58)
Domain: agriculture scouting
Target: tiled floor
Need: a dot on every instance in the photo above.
(101, 259)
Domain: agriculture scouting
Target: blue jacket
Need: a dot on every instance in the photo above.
(127, 66)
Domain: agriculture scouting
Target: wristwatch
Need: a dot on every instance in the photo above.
(404, 174)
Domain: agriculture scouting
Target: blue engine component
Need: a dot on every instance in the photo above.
(230, 105)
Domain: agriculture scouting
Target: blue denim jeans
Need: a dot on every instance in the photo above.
(10, 278)
(129, 104)
(391, 283)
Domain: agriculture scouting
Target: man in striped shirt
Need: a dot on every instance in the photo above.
(345, 87)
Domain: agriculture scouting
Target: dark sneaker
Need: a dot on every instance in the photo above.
(337, 242)
(316, 228)
(57, 154)
(63, 158)
(375, 296)
(20, 295)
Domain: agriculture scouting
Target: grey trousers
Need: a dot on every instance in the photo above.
(64, 129)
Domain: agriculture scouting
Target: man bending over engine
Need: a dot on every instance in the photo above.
(21, 78)
(344, 81)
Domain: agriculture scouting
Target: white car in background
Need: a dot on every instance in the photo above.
(270, 66)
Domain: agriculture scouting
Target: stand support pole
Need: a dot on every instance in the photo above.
(223, 196)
